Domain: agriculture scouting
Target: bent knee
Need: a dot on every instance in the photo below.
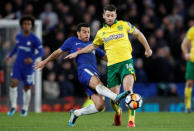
(189, 83)
(100, 107)
(14, 83)
(26, 88)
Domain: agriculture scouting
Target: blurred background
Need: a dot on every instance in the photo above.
(160, 79)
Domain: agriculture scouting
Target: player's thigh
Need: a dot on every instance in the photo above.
(113, 78)
(99, 101)
(89, 77)
(189, 75)
(28, 77)
(15, 76)
(94, 81)
(127, 74)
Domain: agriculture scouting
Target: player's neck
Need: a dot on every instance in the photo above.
(26, 33)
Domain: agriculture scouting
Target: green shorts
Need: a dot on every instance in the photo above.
(116, 72)
(189, 71)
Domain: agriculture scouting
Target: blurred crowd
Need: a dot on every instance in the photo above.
(163, 22)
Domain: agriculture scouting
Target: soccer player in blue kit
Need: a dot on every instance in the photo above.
(87, 72)
(26, 44)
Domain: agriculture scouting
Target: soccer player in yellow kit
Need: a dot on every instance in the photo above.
(114, 36)
(188, 50)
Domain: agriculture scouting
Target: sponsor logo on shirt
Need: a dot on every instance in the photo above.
(77, 43)
(112, 37)
(27, 49)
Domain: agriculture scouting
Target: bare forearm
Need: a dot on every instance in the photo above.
(184, 46)
(87, 49)
(143, 41)
(54, 55)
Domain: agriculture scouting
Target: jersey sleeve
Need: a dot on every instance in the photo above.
(66, 45)
(14, 50)
(190, 34)
(98, 39)
(130, 27)
(39, 47)
(100, 53)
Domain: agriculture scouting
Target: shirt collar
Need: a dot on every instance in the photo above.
(105, 25)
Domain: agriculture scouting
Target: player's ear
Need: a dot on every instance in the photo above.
(103, 15)
(78, 33)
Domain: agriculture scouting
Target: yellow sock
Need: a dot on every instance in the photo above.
(188, 94)
(115, 107)
(132, 115)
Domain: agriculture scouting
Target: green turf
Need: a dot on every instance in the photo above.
(98, 122)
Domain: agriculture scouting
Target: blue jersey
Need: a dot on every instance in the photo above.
(25, 48)
(73, 44)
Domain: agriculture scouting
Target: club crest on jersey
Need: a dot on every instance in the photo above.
(28, 43)
(120, 27)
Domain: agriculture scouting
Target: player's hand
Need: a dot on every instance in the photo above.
(39, 65)
(28, 61)
(71, 56)
(7, 59)
(187, 56)
(148, 53)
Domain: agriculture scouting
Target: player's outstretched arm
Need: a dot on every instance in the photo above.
(86, 49)
(40, 65)
(139, 35)
(185, 48)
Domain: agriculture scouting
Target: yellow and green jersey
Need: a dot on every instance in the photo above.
(116, 41)
(190, 36)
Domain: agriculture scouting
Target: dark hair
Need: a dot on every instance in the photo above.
(110, 8)
(79, 26)
(26, 17)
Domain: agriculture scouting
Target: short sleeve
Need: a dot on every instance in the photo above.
(66, 45)
(130, 27)
(98, 40)
(190, 34)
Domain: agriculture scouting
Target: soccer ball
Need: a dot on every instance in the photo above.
(133, 101)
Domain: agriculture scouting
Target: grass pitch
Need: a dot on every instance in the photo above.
(162, 121)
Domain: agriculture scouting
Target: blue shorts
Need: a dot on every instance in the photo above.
(23, 73)
(84, 76)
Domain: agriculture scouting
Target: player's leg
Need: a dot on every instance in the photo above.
(90, 78)
(116, 107)
(114, 85)
(188, 95)
(13, 93)
(127, 77)
(128, 85)
(189, 76)
(90, 109)
(26, 99)
(28, 80)
(96, 84)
